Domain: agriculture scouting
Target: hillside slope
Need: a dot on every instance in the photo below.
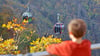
(44, 12)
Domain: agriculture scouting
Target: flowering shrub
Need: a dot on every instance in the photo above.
(8, 47)
(17, 30)
(22, 34)
(41, 43)
(13, 25)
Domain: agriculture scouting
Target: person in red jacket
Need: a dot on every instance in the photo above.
(76, 46)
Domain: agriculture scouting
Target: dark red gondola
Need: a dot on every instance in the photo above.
(58, 27)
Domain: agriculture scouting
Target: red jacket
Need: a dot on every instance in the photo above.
(69, 48)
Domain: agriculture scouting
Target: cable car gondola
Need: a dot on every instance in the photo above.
(58, 27)
(27, 16)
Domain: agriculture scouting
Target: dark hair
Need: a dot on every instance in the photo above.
(77, 27)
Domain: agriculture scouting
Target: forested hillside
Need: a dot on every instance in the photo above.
(45, 15)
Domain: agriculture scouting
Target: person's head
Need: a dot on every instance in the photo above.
(77, 28)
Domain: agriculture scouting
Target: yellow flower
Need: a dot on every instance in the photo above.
(10, 22)
(8, 26)
(1, 39)
(4, 25)
(13, 25)
(15, 29)
(18, 25)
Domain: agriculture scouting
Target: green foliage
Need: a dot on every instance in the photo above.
(86, 7)
(90, 14)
